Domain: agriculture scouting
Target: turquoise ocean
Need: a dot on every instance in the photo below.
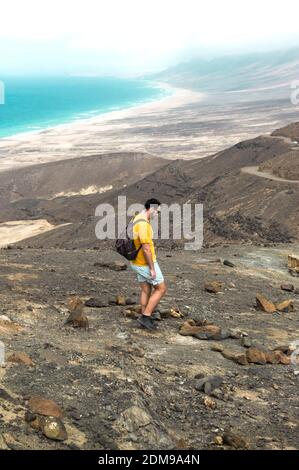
(33, 104)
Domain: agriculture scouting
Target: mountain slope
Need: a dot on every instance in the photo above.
(264, 70)
(237, 206)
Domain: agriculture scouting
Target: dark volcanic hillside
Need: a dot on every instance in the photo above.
(285, 165)
(290, 131)
(238, 206)
(76, 176)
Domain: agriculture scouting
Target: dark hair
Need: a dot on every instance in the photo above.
(152, 202)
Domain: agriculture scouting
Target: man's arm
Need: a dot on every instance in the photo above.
(149, 259)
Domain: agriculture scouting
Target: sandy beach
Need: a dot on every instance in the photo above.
(87, 136)
(186, 124)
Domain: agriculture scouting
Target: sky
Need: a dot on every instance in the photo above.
(95, 37)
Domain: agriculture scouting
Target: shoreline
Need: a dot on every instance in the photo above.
(39, 129)
(184, 124)
(30, 147)
(179, 97)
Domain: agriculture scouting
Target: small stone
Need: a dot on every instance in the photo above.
(120, 300)
(188, 328)
(246, 342)
(53, 428)
(213, 287)
(164, 312)
(44, 407)
(209, 403)
(217, 348)
(128, 313)
(175, 313)
(273, 357)
(218, 440)
(218, 393)
(76, 318)
(29, 417)
(285, 349)
(264, 304)
(236, 334)
(286, 360)
(255, 356)
(235, 440)
(76, 415)
(208, 383)
(209, 332)
(134, 418)
(228, 263)
(224, 334)
(118, 266)
(35, 423)
(238, 357)
(286, 306)
(287, 287)
(130, 301)
(96, 303)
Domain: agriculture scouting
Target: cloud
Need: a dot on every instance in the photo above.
(139, 31)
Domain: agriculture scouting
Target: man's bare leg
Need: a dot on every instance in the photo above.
(146, 290)
(158, 293)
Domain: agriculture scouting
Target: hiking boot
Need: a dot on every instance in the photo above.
(156, 316)
(146, 322)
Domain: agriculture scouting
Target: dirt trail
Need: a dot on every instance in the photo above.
(254, 170)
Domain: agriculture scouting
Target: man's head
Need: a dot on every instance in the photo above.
(152, 206)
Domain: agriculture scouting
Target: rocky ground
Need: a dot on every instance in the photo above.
(116, 386)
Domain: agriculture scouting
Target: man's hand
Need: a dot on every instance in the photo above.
(153, 273)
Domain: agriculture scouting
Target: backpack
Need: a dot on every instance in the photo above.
(125, 245)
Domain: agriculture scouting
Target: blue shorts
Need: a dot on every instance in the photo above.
(143, 274)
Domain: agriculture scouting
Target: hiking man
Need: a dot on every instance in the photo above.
(145, 265)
